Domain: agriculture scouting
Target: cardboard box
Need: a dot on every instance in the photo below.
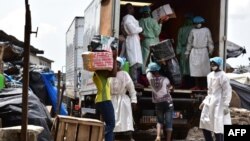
(93, 61)
(163, 12)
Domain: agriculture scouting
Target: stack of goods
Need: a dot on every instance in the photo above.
(195, 134)
(163, 52)
(100, 56)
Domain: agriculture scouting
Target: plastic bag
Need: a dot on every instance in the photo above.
(100, 42)
(126, 66)
(172, 71)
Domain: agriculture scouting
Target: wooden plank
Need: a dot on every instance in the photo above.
(79, 129)
(182, 91)
(60, 131)
(69, 120)
(90, 123)
(76, 119)
(187, 91)
(83, 133)
(101, 133)
(106, 17)
(71, 131)
(95, 133)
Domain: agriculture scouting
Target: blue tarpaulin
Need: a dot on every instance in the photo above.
(49, 80)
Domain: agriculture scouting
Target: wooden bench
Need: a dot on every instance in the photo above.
(67, 128)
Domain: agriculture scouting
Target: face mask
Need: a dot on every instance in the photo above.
(198, 25)
(214, 68)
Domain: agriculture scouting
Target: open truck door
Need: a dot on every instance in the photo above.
(214, 11)
(215, 14)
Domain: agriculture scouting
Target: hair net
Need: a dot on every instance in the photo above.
(198, 19)
(217, 60)
(121, 60)
(153, 67)
(145, 9)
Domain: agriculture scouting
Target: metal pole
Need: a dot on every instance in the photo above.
(26, 73)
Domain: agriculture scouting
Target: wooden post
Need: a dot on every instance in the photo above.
(106, 17)
(58, 93)
(26, 72)
(1, 58)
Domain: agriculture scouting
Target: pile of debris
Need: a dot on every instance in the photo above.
(239, 116)
(195, 134)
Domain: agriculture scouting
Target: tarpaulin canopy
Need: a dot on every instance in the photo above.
(234, 50)
(243, 92)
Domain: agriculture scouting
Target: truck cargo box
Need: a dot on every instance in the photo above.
(74, 49)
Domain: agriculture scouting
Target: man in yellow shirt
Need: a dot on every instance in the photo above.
(103, 102)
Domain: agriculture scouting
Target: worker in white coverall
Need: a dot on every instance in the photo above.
(121, 101)
(215, 107)
(133, 47)
(199, 48)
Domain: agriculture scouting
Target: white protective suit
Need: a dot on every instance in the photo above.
(199, 46)
(219, 95)
(132, 43)
(122, 102)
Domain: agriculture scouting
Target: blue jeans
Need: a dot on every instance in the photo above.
(106, 110)
(164, 115)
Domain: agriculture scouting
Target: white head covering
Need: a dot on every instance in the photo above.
(121, 60)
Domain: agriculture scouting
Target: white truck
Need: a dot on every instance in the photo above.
(74, 48)
(215, 13)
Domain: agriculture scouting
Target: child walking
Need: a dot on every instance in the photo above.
(163, 101)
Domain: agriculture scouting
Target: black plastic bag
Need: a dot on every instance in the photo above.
(171, 69)
(100, 42)
(11, 111)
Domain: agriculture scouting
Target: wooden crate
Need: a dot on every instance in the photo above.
(69, 128)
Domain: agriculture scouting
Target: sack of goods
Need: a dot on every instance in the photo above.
(172, 71)
(163, 50)
(93, 61)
